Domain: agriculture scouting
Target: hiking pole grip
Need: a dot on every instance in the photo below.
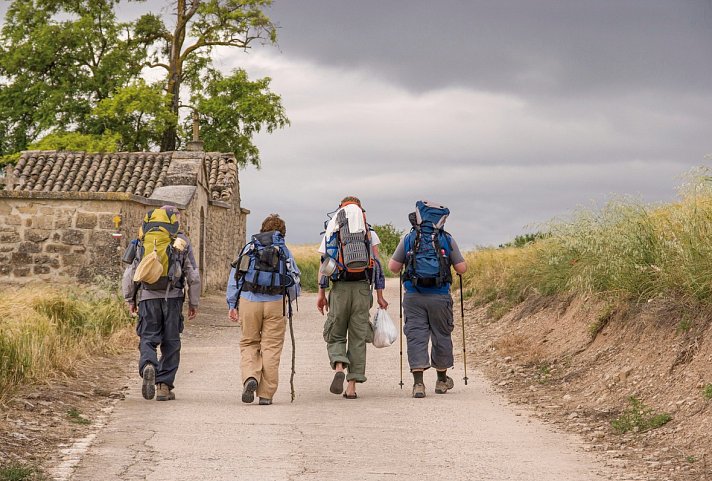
(462, 316)
(400, 311)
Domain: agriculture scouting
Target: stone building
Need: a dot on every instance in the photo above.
(67, 216)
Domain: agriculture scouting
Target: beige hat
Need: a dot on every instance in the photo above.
(149, 270)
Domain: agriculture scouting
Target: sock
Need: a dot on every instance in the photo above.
(418, 377)
(442, 376)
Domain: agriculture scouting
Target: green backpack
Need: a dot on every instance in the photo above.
(158, 257)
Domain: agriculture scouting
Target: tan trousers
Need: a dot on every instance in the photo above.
(263, 328)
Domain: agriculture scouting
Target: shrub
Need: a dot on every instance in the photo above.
(639, 418)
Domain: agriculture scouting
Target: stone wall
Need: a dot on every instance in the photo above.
(62, 239)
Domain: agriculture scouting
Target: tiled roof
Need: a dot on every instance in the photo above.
(222, 174)
(138, 173)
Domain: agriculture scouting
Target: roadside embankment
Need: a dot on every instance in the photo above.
(601, 324)
(53, 374)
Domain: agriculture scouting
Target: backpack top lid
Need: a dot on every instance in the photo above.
(268, 238)
(159, 218)
(429, 213)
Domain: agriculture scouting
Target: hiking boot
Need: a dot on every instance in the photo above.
(418, 390)
(264, 401)
(441, 387)
(248, 393)
(148, 388)
(164, 393)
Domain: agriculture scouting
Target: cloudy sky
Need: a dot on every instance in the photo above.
(509, 112)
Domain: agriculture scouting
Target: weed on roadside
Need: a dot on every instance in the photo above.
(543, 372)
(707, 391)
(639, 418)
(76, 417)
(601, 320)
(18, 472)
(684, 326)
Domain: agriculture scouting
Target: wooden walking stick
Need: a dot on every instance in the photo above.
(462, 315)
(291, 335)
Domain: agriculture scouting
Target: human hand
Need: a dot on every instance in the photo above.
(133, 310)
(322, 304)
(382, 303)
(192, 312)
(234, 315)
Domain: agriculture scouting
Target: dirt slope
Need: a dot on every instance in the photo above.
(577, 362)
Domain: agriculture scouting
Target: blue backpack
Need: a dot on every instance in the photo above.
(427, 247)
(263, 267)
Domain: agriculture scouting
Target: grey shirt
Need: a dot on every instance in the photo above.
(455, 254)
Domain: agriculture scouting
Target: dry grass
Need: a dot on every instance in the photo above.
(45, 331)
(627, 249)
(308, 260)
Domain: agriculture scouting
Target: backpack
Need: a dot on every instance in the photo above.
(351, 251)
(263, 267)
(427, 247)
(159, 266)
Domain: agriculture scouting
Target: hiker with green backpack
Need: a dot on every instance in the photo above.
(426, 255)
(349, 256)
(161, 266)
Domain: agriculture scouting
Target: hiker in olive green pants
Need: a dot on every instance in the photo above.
(349, 303)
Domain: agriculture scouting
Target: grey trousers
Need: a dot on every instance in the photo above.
(160, 322)
(428, 317)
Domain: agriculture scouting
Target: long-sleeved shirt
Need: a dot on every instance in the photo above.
(132, 290)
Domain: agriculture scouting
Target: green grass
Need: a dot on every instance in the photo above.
(627, 250)
(639, 418)
(19, 472)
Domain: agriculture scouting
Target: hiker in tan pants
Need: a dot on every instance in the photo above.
(263, 329)
(262, 280)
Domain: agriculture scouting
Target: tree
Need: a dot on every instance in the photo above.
(139, 113)
(207, 24)
(233, 109)
(389, 236)
(58, 58)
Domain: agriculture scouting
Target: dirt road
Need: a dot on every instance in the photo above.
(470, 433)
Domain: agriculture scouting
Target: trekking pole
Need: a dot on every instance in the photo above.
(462, 315)
(400, 309)
(291, 335)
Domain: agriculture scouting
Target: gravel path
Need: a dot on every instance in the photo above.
(471, 433)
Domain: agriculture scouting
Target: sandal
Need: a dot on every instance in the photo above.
(337, 385)
(351, 396)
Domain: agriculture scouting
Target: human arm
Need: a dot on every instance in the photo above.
(231, 296)
(322, 303)
(395, 264)
(129, 288)
(456, 257)
(192, 277)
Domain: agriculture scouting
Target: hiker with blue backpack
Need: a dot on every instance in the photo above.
(425, 256)
(262, 283)
(161, 266)
(349, 262)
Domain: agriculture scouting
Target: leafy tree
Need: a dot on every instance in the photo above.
(107, 142)
(233, 109)
(201, 25)
(58, 58)
(139, 113)
(389, 236)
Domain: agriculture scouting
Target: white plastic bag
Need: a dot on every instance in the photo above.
(384, 331)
